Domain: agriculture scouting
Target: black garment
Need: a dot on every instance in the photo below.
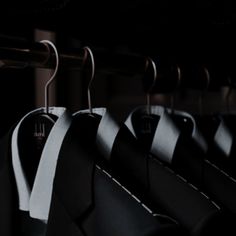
(211, 171)
(188, 156)
(87, 201)
(13, 221)
(158, 186)
(219, 178)
(220, 133)
(14, 176)
(199, 164)
(163, 189)
(9, 223)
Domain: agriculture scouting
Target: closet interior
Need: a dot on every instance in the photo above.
(144, 92)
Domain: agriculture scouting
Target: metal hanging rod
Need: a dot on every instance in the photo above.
(21, 54)
(36, 55)
(17, 53)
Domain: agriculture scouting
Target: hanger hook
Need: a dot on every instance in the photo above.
(179, 76)
(208, 80)
(228, 94)
(89, 52)
(46, 88)
(148, 62)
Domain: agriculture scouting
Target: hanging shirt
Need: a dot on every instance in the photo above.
(180, 148)
(154, 184)
(219, 170)
(87, 200)
(186, 153)
(35, 203)
(220, 137)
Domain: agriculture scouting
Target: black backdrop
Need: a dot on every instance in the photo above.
(138, 22)
(196, 31)
(191, 29)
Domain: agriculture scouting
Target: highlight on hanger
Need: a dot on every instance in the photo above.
(205, 89)
(89, 54)
(48, 43)
(178, 83)
(150, 64)
(45, 119)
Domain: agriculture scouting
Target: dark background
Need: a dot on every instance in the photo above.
(141, 24)
(188, 32)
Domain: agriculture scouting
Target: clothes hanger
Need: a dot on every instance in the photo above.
(36, 126)
(147, 119)
(173, 96)
(164, 146)
(158, 128)
(207, 122)
(184, 120)
(143, 120)
(49, 82)
(44, 121)
(90, 113)
(150, 64)
(89, 54)
(213, 126)
(204, 90)
(225, 130)
(229, 119)
(227, 97)
(91, 117)
(229, 114)
(180, 118)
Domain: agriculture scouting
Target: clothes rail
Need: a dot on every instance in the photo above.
(20, 54)
(36, 55)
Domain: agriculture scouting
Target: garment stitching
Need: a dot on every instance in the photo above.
(223, 172)
(189, 184)
(136, 198)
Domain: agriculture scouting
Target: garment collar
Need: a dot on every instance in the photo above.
(196, 134)
(165, 136)
(37, 201)
(107, 131)
(224, 138)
